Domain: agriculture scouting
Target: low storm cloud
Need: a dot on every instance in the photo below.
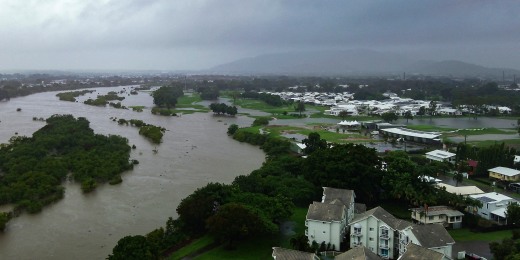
(175, 35)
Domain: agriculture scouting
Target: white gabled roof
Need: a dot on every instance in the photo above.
(441, 154)
(492, 197)
(505, 171)
(408, 132)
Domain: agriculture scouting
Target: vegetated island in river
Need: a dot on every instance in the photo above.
(33, 168)
(152, 132)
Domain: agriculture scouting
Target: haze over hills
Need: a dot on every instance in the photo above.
(354, 62)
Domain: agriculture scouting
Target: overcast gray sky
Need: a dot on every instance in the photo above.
(198, 34)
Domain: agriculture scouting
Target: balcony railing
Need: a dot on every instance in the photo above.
(384, 236)
(383, 246)
(357, 234)
(357, 243)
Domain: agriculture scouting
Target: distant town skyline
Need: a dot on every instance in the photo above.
(197, 35)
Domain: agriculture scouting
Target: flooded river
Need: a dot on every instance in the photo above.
(195, 151)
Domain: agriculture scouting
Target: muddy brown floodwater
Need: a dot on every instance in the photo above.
(194, 152)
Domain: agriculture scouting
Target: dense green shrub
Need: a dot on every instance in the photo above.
(33, 168)
(261, 121)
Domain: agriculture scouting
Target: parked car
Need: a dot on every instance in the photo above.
(515, 187)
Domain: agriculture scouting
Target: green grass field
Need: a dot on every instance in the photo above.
(262, 106)
(515, 143)
(186, 105)
(333, 137)
(463, 234)
(485, 131)
(430, 128)
(192, 247)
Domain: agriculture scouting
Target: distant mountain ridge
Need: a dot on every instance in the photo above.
(352, 62)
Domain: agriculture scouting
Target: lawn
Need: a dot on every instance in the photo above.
(188, 99)
(484, 131)
(192, 247)
(258, 248)
(332, 137)
(430, 128)
(399, 210)
(463, 234)
(262, 106)
(515, 143)
(186, 105)
(298, 217)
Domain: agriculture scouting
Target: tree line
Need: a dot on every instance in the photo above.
(223, 108)
(488, 157)
(273, 100)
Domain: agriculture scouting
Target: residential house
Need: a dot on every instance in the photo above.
(494, 206)
(327, 220)
(434, 237)
(326, 223)
(289, 254)
(504, 174)
(449, 111)
(377, 230)
(438, 215)
(340, 197)
(388, 236)
(416, 252)
(441, 156)
(472, 166)
(460, 190)
(358, 253)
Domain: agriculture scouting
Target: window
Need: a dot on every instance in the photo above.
(371, 229)
(323, 232)
(384, 232)
(357, 230)
(371, 239)
(430, 217)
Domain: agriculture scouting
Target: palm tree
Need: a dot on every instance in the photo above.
(408, 115)
(300, 107)
(458, 177)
